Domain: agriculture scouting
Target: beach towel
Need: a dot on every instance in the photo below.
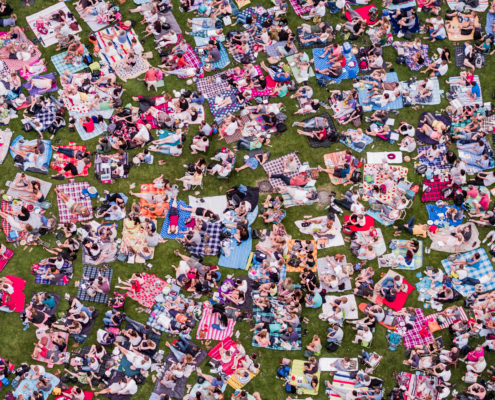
(40, 165)
(74, 190)
(14, 301)
(90, 274)
(417, 261)
(481, 270)
(297, 374)
(48, 39)
(365, 98)
(326, 364)
(34, 91)
(65, 274)
(183, 217)
(87, 395)
(350, 71)
(209, 329)
(317, 225)
(276, 167)
(324, 268)
(5, 136)
(442, 240)
(460, 92)
(14, 192)
(349, 143)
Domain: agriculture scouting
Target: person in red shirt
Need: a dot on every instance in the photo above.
(298, 180)
(319, 134)
(87, 123)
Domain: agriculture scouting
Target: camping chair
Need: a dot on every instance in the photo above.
(394, 340)
(371, 366)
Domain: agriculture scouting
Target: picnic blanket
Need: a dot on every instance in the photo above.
(99, 21)
(90, 274)
(87, 395)
(290, 202)
(74, 190)
(221, 112)
(364, 13)
(405, 4)
(366, 100)
(106, 166)
(468, 203)
(277, 49)
(298, 254)
(411, 335)
(481, 270)
(350, 309)
(298, 9)
(16, 64)
(28, 163)
(220, 64)
(377, 177)
(217, 204)
(433, 189)
(60, 160)
(34, 91)
(400, 253)
(152, 286)
(61, 66)
(276, 167)
(160, 317)
(209, 329)
(183, 217)
(317, 225)
(235, 255)
(53, 355)
(377, 157)
(14, 192)
(420, 136)
(443, 241)
(297, 374)
(28, 386)
(326, 364)
(5, 136)
(448, 320)
(439, 162)
(490, 19)
(401, 298)
(413, 92)
(6, 256)
(14, 301)
(49, 38)
(324, 268)
(409, 53)
(296, 73)
(481, 7)
(460, 92)
(350, 71)
(438, 215)
(151, 210)
(333, 159)
(472, 167)
(211, 240)
(65, 274)
(134, 237)
(365, 141)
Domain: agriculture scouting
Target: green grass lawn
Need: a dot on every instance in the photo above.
(17, 344)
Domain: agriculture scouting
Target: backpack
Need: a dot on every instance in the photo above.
(421, 169)
(281, 127)
(479, 61)
(290, 388)
(356, 176)
(283, 371)
(401, 60)
(332, 347)
(363, 64)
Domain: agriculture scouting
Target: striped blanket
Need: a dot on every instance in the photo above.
(207, 331)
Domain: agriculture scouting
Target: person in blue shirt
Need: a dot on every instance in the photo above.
(475, 92)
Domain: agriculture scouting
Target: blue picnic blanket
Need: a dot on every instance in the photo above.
(42, 164)
(350, 71)
(349, 143)
(417, 261)
(396, 27)
(490, 19)
(61, 67)
(183, 216)
(222, 63)
(365, 97)
(27, 386)
(435, 212)
(221, 113)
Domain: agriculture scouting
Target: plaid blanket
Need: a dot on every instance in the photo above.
(439, 162)
(409, 53)
(366, 99)
(221, 112)
(460, 92)
(74, 191)
(213, 85)
(105, 165)
(300, 10)
(210, 244)
(482, 270)
(88, 276)
(349, 143)
(414, 96)
(208, 328)
(435, 186)
(221, 64)
(160, 311)
(5, 259)
(151, 287)
(8, 64)
(66, 274)
(61, 160)
(350, 71)
(61, 66)
(276, 167)
(10, 234)
(449, 321)
(411, 336)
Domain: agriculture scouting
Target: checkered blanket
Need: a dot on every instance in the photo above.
(5, 136)
(191, 59)
(438, 215)
(206, 330)
(460, 92)
(300, 10)
(277, 49)
(61, 66)
(439, 162)
(417, 261)
(449, 321)
(278, 310)
(46, 15)
(210, 244)
(409, 53)
(61, 160)
(412, 337)
(350, 71)
(482, 270)
(221, 64)
(221, 113)
(10, 234)
(379, 178)
(66, 271)
(14, 64)
(5, 259)
(276, 167)
(213, 85)
(252, 55)
(365, 98)
(74, 191)
(90, 274)
(255, 272)
(471, 160)
(488, 124)
(159, 310)
(433, 99)
(151, 287)
(435, 192)
(105, 164)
